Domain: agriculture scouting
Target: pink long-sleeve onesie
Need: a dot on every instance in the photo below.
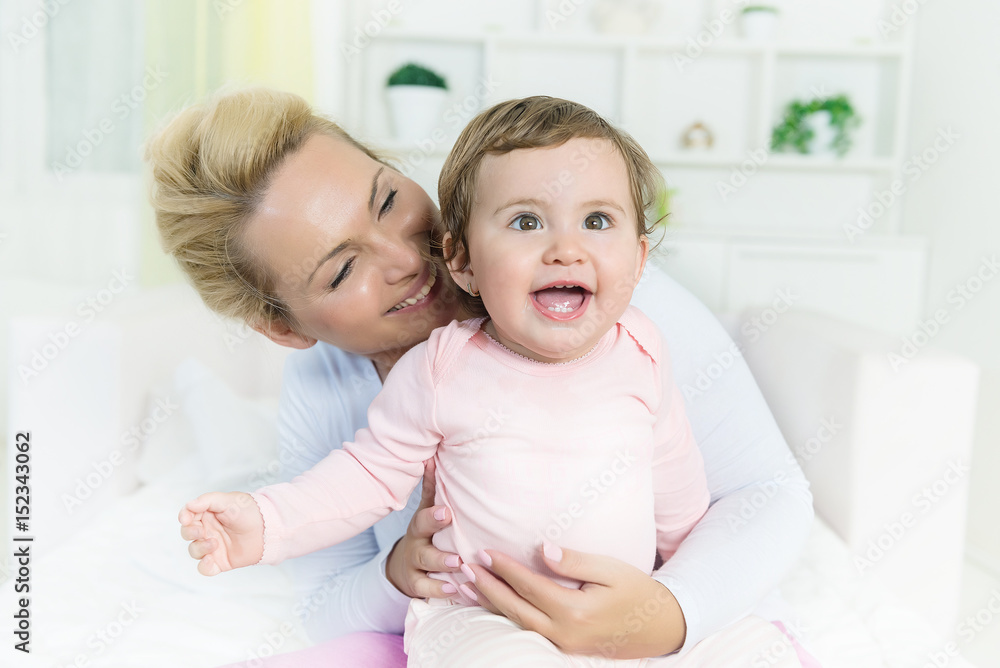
(595, 454)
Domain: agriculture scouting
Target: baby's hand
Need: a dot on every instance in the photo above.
(226, 531)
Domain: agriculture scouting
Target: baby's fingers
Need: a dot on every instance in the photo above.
(192, 532)
(185, 516)
(207, 566)
(200, 548)
(216, 502)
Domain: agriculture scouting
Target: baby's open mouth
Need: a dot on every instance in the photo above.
(561, 298)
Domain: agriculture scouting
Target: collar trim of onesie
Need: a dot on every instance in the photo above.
(601, 344)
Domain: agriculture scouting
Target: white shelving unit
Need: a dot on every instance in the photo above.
(644, 84)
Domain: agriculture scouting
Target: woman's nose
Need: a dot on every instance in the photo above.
(400, 257)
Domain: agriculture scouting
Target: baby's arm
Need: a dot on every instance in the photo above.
(342, 495)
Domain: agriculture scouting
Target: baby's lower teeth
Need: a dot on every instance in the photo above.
(560, 309)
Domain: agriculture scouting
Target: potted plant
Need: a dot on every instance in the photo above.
(818, 126)
(416, 95)
(759, 22)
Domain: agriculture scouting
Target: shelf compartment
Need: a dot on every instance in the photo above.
(460, 64)
(871, 85)
(545, 70)
(668, 97)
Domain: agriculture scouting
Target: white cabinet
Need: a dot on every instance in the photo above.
(687, 69)
(878, 285)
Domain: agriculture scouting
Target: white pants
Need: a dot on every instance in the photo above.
(443, 634)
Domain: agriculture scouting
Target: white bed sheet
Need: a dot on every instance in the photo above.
(852, 621)
(129, 576)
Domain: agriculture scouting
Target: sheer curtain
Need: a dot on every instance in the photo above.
(82, 84)
(96, 86)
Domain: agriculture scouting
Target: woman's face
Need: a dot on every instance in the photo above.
(341, 236)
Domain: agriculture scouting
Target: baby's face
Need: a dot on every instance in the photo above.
(553, 247)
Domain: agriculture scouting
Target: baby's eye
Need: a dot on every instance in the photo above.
(526, 222)
(596, 221)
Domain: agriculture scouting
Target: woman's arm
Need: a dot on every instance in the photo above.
(341, 589)
(761, 505)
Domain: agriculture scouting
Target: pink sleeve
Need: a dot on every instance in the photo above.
(354, 487)
(680, 487)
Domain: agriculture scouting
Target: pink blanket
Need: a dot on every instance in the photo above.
(363, 650)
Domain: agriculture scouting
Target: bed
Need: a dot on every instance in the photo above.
(155, 401)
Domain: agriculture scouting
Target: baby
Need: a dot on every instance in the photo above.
(552, 418)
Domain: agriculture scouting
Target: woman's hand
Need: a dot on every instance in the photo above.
(619, 612)
(226, 531)
(413, 556)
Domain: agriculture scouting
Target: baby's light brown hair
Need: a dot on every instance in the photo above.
(532, 122)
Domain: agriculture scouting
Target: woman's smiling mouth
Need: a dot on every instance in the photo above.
(420, 295)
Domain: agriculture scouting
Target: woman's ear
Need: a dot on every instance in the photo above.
(283, 335)
(463, 277)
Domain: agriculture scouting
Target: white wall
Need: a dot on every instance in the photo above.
(956, 84)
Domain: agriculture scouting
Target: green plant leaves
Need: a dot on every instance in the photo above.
(793, 132)
(412, 74)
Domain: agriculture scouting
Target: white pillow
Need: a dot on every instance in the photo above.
(231, 438)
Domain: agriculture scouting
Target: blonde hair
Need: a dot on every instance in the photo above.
(532, 122)
(211, 166)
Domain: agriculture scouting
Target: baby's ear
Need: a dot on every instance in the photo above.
(458, 266)
(641, 257)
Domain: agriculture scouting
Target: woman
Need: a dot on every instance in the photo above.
(280, 219)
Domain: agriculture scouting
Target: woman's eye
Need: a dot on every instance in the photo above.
(344, 273)
(596, 221)
(387, 205)
(526, 223)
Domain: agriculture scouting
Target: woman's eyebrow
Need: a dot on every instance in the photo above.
(340, 247)
(371, 198)
(344, 244)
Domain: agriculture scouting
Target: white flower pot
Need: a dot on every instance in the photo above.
(415, 110)
(824, 133)
(760, 26)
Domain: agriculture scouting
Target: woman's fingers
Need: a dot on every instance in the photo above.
(414, 555)
(428, 587)
(430, 480)
(431, 559)
(538, 590)
(515, 592)
(582, 566)
(491, 582)
(429, 521)
(498, 597)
